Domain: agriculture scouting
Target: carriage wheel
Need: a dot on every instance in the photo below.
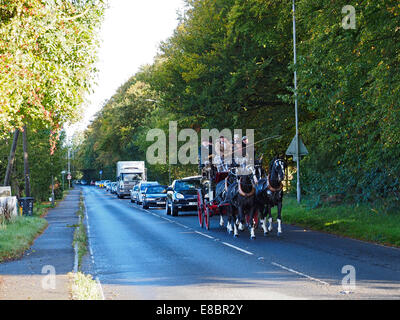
(255, 219)
(200, 207)
(207, 217)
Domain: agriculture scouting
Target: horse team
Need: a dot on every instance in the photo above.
(252, 196)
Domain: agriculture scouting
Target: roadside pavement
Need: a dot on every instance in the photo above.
(41, 274)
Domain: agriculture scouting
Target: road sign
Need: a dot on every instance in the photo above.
(292, 150)
(5, 191)
(69, 177)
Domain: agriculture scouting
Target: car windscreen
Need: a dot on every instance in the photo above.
(144, 186)
(187, 185)
(129, 177)
(156, 189)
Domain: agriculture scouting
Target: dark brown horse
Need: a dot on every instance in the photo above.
(241, 198)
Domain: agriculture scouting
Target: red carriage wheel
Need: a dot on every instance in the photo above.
(255, 219)
(200, 207)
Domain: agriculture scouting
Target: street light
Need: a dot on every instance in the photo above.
(295, 106)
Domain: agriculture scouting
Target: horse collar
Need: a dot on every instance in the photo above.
(272, 188)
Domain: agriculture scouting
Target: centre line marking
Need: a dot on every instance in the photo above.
(180, 224)
(205, 235)
(299, 273)
(169, 220)
(237, 248)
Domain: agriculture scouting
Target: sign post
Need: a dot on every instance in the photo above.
(297, 149)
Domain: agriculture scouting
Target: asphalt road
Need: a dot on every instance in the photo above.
(145, 254)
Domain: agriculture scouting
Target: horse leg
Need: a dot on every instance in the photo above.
(235, 230)
(241, 218)
(252, 224)
(263, 219)
(270, 227)
(230, 216)
(279, 219)
(221, 220)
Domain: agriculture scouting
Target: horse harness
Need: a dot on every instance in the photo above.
(272, 189)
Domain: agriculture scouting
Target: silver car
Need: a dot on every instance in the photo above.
(142, 187)
(134, 193)
(113, 187)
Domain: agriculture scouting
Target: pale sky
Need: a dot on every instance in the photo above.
(130, 35)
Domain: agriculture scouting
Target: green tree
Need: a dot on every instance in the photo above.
(47, 55)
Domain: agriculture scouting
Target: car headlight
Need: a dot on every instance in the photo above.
(179, 196)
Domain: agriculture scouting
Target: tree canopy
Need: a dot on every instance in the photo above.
(47, 55)
(229, 64)
(48, 50)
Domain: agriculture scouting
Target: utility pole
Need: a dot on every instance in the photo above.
(296, 107)
(26, 163)
(69, 168)
(11, 158)
(52, 191)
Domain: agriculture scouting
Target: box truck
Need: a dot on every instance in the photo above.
(129, 173)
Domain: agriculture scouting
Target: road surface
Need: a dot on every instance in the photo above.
(145, 254)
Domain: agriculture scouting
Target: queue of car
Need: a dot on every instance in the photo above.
(180, 196)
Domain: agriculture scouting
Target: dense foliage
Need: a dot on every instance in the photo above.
(230, 64)
(42, 165)
(350, 81)
(47, 53)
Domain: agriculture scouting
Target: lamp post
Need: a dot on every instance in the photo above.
(69, 167)
(296, 106)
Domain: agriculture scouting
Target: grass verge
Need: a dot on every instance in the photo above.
(80, 235)
(83, 287)
(18, 236)
(359, 222)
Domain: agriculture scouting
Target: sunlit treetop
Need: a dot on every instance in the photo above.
(47, 55)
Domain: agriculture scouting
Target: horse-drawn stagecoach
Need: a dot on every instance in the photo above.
(243, 193)
(207, 205)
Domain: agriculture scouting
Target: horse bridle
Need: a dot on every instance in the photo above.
(269, 179)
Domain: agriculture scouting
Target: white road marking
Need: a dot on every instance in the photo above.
(205, 235)
(169, 220)
(182, 225)
(100, 288)
(237, 248)
(76, 258)
(299, 273)
(88, 231)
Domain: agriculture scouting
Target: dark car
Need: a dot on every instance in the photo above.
(154, 196)
(182, 195)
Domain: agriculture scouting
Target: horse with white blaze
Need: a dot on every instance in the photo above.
(269, 193)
